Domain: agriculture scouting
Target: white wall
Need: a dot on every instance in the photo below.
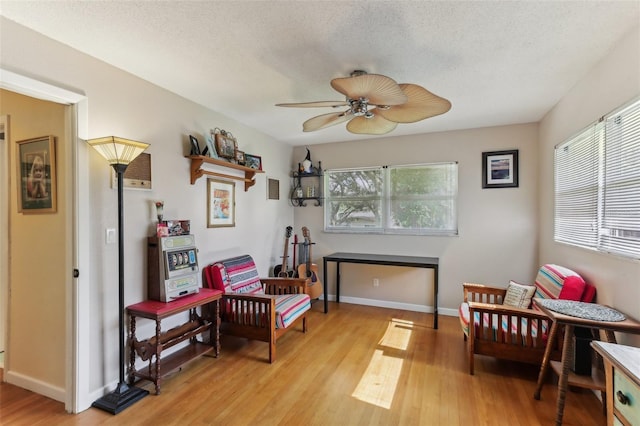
(612, 83)
(126, 106)
(497, 227)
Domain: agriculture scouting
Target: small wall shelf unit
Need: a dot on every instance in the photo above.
(197, 170)
(307, 186)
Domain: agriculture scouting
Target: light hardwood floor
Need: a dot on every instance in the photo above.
(357, 365)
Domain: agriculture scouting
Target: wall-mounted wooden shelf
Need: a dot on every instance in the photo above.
(197, 171)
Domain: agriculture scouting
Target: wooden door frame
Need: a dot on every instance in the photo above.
(77, 289)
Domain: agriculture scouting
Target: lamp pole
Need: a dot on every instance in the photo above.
(124, 395)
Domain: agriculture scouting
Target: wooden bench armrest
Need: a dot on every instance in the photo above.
(483, 293)
(279, 285)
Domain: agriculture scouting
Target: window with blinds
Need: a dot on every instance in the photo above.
(597, 185)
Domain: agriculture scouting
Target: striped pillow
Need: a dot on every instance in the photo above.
(549, 281)
(242, 275)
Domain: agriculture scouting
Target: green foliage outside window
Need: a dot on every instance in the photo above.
(418, 199)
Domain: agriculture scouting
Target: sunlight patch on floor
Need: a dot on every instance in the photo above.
(378, 383)
(397, 335)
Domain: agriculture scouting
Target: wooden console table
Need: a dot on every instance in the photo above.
(382, 259)
(148, 349)
(582, 315)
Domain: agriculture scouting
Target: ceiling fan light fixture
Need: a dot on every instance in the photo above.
(395, 103)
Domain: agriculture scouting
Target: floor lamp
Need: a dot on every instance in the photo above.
(119, 152)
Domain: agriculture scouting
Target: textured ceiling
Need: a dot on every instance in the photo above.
(498, 62)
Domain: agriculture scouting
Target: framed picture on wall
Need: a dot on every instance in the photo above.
(36, 175)
(500, 169)
(221, 203)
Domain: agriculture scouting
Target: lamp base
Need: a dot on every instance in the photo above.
(122, 397)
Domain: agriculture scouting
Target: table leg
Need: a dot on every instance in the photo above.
(217, 328)
(547, 357)
(435, 298)
(156, 378)
(325, 285)
(338, 282)
(567, 361)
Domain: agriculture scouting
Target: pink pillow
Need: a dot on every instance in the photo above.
(572, 288)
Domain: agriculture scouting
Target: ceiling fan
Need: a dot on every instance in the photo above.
(376, 104)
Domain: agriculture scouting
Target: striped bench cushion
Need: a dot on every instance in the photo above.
(289, 307)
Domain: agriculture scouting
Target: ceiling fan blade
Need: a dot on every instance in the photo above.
(333, 104)
(326, 120)
(378, 89)
(377, 125)
(422, 104)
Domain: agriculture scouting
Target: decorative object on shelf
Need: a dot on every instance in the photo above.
(312, 189)
(376, 104)
(211, 147)
(159, 210)
(119, 153)
(306, 163)
(37, 175)
(240, 159)
(226, 144)
(500, 169)
(253, 161)
(221, 203)
(172, 228)
(195, 146)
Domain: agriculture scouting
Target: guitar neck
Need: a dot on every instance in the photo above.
(285, 254)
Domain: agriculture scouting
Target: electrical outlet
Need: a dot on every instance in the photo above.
(376, 282)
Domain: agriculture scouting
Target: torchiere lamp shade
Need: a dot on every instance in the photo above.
(118, 150)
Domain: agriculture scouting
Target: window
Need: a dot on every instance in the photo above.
(597, 185)
(417, 199)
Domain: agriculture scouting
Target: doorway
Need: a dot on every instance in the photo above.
(74, 393)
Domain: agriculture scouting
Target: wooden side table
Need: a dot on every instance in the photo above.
(622, 367)
(151, 348)
(577, 314)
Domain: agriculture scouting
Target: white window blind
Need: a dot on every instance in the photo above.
(576, 189)
(597, 185)
(620, 230)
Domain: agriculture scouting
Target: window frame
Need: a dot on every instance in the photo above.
(386, 199)
(588, 221)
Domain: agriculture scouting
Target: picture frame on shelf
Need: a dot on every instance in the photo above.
(240, 159)
(195, 146)
(221, 203)
(500, 169)
(253, 161)
(211, 149)
(36, 170)
(225, 146)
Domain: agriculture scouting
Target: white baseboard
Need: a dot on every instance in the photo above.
(37, 386)
(393, 305)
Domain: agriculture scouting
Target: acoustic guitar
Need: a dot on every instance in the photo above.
(309, 269)
(281, 270)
